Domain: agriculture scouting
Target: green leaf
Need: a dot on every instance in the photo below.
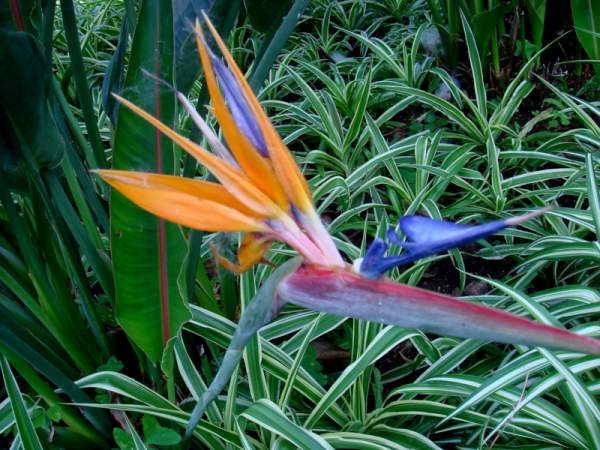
(193, 380)
(155, 434)
(426, 408)
(593, 196)
(136, 440)
(25, 428)
(258, 312)
(71, 31)
(476, 65)
(123, 439)
(25, 96)
(383, 342)
(222, 13)
(57, 410)
(585, 405)
(382, 50)
(18, 341)
(266, 414)
(275, 40)
(54, 413)
(287, 388)
(485, 24)
(148, 402)
(536, 12)
(114, 75)
(495, 172)
(216, 328)
(125, 386)
(586, 19)
(356, 124)
(266, 298)
(264, 13)
(441, 105)
(377, 441)
(148, 253)
(562, 422)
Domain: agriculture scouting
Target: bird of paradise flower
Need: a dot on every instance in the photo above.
(262, 193)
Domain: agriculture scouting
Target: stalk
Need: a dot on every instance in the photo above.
(263, 307)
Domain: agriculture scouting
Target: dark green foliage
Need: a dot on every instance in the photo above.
(27, 103)
(504, 29)
(586, 21)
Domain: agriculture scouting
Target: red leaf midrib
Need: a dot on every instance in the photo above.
(15, 10)
(162, 244)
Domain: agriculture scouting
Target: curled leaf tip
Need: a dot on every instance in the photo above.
(512, 221)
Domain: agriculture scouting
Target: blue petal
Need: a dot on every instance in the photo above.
(240, 110)
(374, 255)
(376, 268)
(423, 229)
(427, 237)
(441, 235)
(395, 239)
(451, 238)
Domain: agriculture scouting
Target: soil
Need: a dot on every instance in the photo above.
(444, 278)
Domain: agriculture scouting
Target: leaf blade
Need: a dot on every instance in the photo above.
(27, 433)
(147, 252)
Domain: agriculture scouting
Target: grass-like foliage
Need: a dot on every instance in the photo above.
(97, 353)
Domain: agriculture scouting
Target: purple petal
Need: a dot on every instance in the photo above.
(435, 236)
(428, 237)
(424, 230)
(375, 253)
(239, 107)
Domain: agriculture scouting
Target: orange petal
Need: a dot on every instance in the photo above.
(251, 252)
(197, 188)
(232, 179)
(183, 208)
(251, 162)
(287, 171)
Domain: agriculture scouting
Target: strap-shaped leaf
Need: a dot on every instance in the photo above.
(25, 428)
(586, 19)
(147, 252)
(268, 415)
